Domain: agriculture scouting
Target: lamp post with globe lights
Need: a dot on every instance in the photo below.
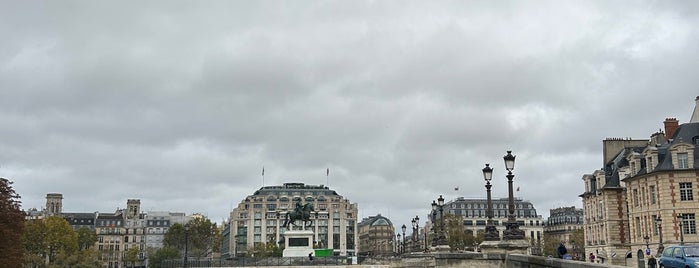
(512, 232)
(491, 233)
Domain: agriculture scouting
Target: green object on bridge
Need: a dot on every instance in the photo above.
(324, 252)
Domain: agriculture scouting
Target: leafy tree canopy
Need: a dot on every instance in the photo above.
(200, 234)
(11, 225)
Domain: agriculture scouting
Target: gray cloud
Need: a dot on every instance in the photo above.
(182, 104)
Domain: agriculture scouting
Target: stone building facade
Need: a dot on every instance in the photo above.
(376, 236)
(117, 232)
(561, 225)
(260, 216)
(645, 190)
(473, 212)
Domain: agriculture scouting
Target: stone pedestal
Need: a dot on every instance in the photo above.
(505, 246)
(298, 243)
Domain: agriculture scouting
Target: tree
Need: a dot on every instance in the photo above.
(200, 237)
(455, 232)
(158, 256)
(269, 249)
(132, 256)
(86, 258)
(86, 238)
(48, 238)
(11, 226)
(577, 238)
(34, 242)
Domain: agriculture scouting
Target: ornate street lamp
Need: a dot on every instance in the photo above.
(512, 232)
(398, 244)
(403, 228)
(659, 222)
(435, 226)
(491, 233)
(680, 217)
(416, 232)
(442, 235)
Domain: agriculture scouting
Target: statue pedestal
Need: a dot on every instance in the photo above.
(298, 243)
(505, 246)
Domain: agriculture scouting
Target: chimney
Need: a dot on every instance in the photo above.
(671, 125)
(695, 114)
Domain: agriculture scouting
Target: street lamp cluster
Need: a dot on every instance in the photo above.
(512, 231)
(416, 233)
(439, 237)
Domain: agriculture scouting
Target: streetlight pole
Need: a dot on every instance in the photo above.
(680, 217)
(512, 232)
(403, 228)
(660, 233)
(416, 232)
(186, 244)
(491, 233)
(434, 223)
(398, 244)
(442, 236)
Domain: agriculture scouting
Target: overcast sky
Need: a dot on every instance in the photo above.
(181, 104)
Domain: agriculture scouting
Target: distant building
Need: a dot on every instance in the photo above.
(158, 223)
(645, 186)
(561, 225)
(473, 212)
(376, 236)
(260, 216)
(117, 232)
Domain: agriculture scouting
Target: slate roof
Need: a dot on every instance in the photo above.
(685, 133)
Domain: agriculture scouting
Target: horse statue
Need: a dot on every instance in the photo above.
(302, 213)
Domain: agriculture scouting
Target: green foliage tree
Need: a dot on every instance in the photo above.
(11, 226)
(86, 238)
(458, 237)
(455, 232)
(131, 256)
(200, 237)
(34, 243)
(157, 256)
(550, 245)
(269, 249)
(578, 238)
(48, 238)
(86, 258)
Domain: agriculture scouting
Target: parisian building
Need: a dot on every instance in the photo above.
(260, 216)
(561, 224)
(473, 212)
(645, 191)
(376, 236)
(117, 232)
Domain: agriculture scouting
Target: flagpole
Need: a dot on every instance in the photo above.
(327, 181)
(263, 176)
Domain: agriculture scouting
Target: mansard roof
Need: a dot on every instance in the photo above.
(611, 169)
(686, 133)
(377, 220)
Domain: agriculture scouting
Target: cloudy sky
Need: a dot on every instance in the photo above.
(181, 104)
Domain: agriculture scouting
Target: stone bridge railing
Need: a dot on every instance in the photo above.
(483, 260)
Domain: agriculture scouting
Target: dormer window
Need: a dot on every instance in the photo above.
(682, 160)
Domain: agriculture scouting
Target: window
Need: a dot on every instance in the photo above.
(635, 197)
(651, 190)
(682, 160)
(638, 227)
(686, 191)
(689, 225)
(654, 218)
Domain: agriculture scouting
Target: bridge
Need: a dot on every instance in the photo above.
(415, 260)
